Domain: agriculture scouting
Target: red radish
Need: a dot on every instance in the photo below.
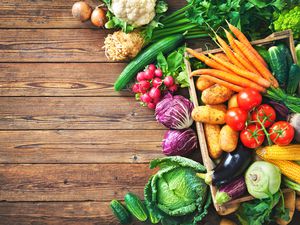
(146, 98)
(156, 82)
(152, 67)
(144, 86)
(168, 81)
(140, 76)
(149, 74)
(173, 88)
(156, 100)
(154, 93)
(136, 88)
(151, 105)
(158, 72)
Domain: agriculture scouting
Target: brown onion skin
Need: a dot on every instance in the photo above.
(81, 11)
(98, 17)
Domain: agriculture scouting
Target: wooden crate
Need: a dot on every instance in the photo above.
(284, 36)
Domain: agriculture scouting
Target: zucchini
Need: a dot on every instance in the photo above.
(263, 53)
(135, 206)
(145, 57)
(298, 53)
(294, 79)
(288, 55)
(120, 212)
(278, 64)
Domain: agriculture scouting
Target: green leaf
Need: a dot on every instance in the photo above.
(162, 62)
(183, 79)
(161, 6)
(174, 61)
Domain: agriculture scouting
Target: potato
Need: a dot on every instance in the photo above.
(289, 203)
(228, 139)
(212, 114)
(232, 103)
(225, 221)
(203, 84)
(298, 204)
(216, 94)
(212, 134)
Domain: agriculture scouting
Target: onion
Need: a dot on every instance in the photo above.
(262, 179)
(99, 17)
(81, 11)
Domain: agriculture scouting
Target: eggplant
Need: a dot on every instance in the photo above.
(231, 166)
(231, 190)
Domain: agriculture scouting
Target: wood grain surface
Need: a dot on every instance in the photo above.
(68, 142)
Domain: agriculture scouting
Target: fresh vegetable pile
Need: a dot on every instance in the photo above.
(250, 105)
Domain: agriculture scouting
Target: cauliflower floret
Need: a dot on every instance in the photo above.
(134, 12)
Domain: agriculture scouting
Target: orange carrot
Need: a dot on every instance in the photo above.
(230, 86)
(229, 52)
(242, 38)
(231, 39)
(222, 56)
(229, 77)
(257, 63)
(243, 59)
(244, 73)
(206, 60)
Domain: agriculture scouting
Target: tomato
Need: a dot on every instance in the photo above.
(248, 99)
(281, 133)
(264, 113)
(252, 136)
(236, 118)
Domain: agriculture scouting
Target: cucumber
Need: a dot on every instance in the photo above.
(288, 55)
(278, 64)
(145, 57)
(135, 206)
(298, 54)
(154, 219)
(294, 79)
(263, 53)
(120, 212)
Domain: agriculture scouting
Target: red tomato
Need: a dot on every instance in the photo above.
(248, 99)
(281, 133)
(236, 118)
(264, 113)
(252, 136)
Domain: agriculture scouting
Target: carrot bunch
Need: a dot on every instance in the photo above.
(240, 66)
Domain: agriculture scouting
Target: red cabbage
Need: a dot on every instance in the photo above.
(179, 142)
(174, 112)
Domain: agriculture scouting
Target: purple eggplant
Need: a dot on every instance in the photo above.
(231, 191)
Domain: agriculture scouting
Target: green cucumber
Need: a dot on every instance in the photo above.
(145, 57)
(263, 53)
(278, 64)
(288, 55)
(120, 212)
(154, 219)
(294, 79)
(136, 207)
(298, 53)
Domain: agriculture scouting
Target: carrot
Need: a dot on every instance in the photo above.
(244, 73)
(222, 56)
(230, 86)
(242, 38)
(257, 63)
(210, 62)
(229, 77)
(229, 52)
(246, 63)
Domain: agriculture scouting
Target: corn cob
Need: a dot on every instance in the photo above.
(287, 168)
(289, 152)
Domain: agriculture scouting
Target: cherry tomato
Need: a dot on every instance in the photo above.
(248, 99)
(265, 114)
(236, 118)
(252, 136)
(281, 133)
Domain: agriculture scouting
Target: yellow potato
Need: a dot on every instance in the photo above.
(225, 221)
(290, 204)
(298, 204)
(212, 134)
(228, 139)
(216, 94)
(232, 103)
(212, 114)
(202, 84)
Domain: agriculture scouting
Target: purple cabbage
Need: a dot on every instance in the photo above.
(174, 112)
(179, 142)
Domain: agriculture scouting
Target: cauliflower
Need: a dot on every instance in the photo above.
(289, 20)
(134, 12)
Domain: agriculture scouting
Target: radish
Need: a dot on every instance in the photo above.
(156, 82)
(146, 98)
(151, 105)
(158, 72)
(144, 86)
(140, 76)
(149, 74)
(154, 93)
(173, 88)
(152, 67)
(136, 88)
(169, 81)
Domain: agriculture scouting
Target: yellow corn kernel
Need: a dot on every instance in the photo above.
(289, 152)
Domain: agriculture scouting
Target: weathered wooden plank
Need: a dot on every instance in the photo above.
(75, 113)
(80, 146)
(58, 213)
(71, 182)
(46, 13)
(59, 79)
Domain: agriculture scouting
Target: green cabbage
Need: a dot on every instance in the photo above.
(175, 194)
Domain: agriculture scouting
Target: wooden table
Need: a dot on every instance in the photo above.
(68, 143)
